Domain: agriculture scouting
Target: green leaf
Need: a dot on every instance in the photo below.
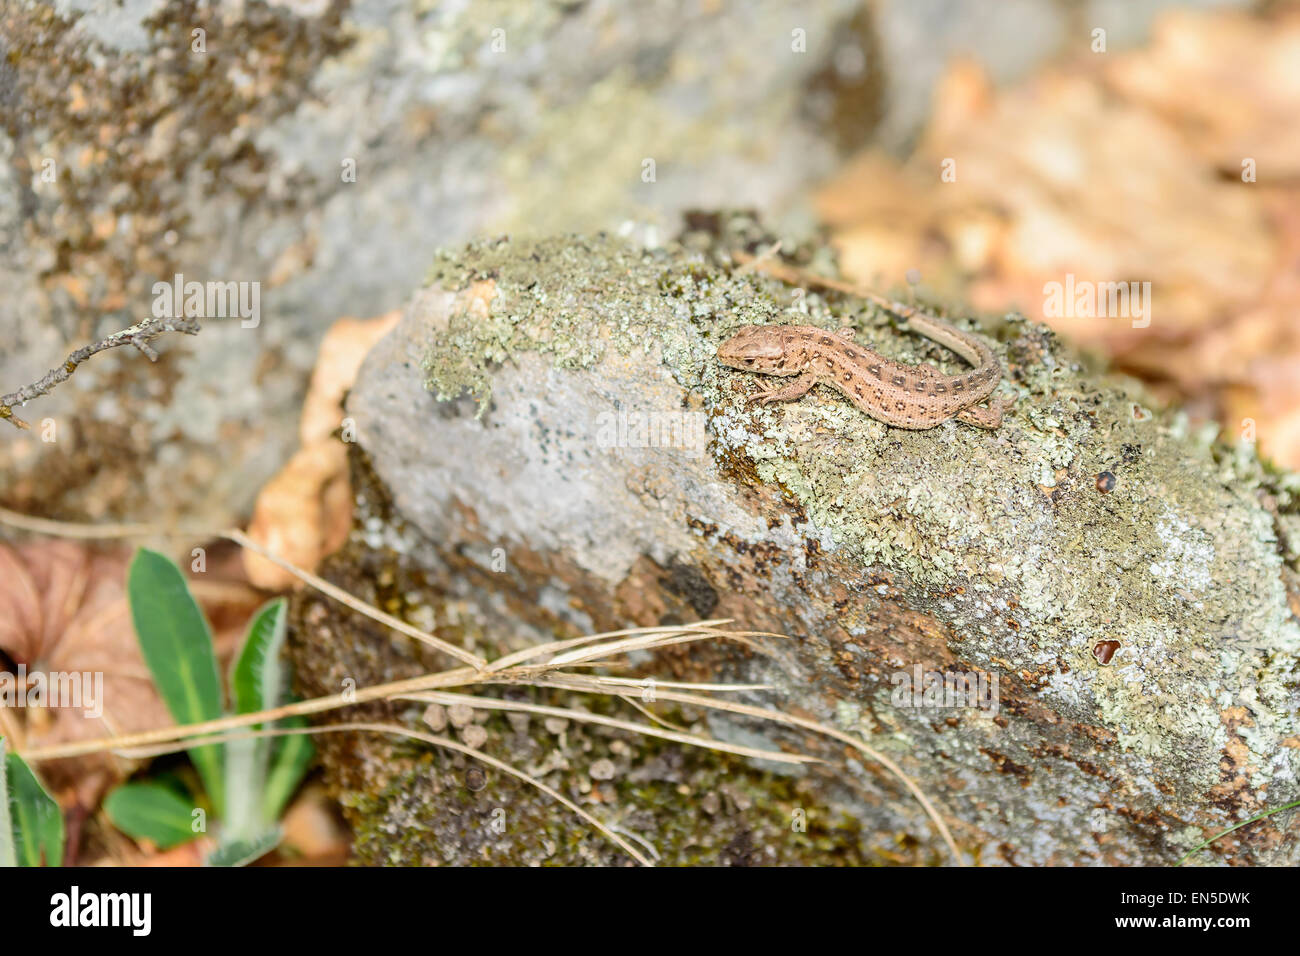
(289, 765)
(177, 646)
(8, 848)
(259, 679)
(34, 822)
(242, 852)
(151, 811)
(257, 682)
(245, 778)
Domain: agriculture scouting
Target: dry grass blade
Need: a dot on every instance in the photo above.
(654, 682)
(437, 742)
(644, 642)
(578, 682)
(650, 714)
(361, 607)
(87, 532)
(795, 276)
(582, 716)
(649, 847)
(531, 653)
(457, 677)
(200, 732)
(753, 262)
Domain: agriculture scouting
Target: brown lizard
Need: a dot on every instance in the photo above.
(906, 396)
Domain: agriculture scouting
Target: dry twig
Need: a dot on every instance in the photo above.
(139, 335)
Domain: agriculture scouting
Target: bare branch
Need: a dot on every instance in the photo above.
(138, 335)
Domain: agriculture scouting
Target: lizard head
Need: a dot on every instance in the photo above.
(754, 348)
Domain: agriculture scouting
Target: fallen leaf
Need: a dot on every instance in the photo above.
(1127, 168)
(304, 512)
(64, 611)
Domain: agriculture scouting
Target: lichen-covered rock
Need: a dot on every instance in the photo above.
(550, 448)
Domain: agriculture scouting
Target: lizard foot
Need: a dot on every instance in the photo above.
(796, 389)
(989, 417)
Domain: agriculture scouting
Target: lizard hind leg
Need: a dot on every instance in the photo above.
(986, 417)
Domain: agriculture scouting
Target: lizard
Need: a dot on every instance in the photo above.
(905, 396)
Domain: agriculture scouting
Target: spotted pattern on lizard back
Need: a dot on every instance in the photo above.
(906, 396)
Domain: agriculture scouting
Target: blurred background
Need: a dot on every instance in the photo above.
(972, 154)
(975, 151)
(325, 150)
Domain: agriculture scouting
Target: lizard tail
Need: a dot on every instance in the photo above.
(968, 346)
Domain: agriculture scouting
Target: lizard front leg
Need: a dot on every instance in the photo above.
(796, 389)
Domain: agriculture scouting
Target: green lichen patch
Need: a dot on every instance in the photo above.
(576, 299)
(689, 806)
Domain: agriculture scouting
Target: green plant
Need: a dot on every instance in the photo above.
(31, 823)
(249, 781)
(152, 810)
(1259, 816)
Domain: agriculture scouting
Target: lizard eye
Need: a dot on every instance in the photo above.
(749, 361)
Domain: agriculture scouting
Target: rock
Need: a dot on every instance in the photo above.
(460, 715)
(500, 418)
(435, 716)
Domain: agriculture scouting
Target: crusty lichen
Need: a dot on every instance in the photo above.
(614, 296)
(1048, 562)
(444, 809)
(1086, 521)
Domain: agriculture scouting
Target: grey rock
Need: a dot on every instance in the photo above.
(887, 556)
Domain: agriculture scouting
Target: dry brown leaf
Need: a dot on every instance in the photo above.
(1231, 83)
(304, 512)
(63, 609)
(1123, 167)
(1106, 191)
(312, 828)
